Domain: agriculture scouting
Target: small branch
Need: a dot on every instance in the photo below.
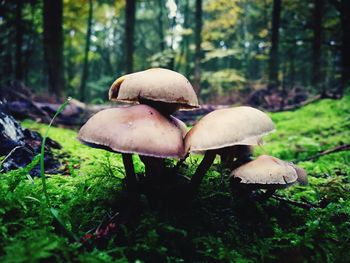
(106, 228)
(12, 151)
(297, 106)
(307, 205)
(344, 147)
(44, 115)
(107, 225)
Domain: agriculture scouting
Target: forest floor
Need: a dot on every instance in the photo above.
(215, 227)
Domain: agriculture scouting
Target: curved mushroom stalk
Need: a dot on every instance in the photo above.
(130, 178)
(202, 169)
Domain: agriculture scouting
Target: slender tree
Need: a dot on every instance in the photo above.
(345, 22)
(130, 9)
(160, 25)
(19, 40)
(316, 45)
(53, 45)
(185, 42)
(85, 74)
(343, 7)
(273, 62)
(198, 41)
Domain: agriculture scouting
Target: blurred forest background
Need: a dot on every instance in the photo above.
(231, 50)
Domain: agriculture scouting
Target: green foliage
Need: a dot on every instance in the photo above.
(213, 228)
(221, 83)
(236, 35)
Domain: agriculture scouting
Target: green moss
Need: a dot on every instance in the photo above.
(213, 228)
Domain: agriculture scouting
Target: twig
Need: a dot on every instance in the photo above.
(12, 151)
(344, 147)
(297, 106)
(307, 205)
(107, 226)
(45, 116)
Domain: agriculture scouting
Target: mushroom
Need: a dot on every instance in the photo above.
(163, 89)
(138, 129)
(267, 172)
(222, 129)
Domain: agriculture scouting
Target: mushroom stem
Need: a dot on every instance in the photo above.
(234, 156)
(203, 167)
(266, 195)
(226, 156)
(178, 165)
(154, 167)
(130, 178)
(164, 107)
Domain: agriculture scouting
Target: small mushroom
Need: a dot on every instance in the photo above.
(225, 128)
(138, 129)
(267, 172)
(163, 89)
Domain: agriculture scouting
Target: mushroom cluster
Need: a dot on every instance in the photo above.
(149, 130)
(232, 133)
(146, 129)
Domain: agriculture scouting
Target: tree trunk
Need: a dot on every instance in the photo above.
(85, 74)
(171, 63)
(198, 40)
(53, 45)
(184, 43)
(345, 48)
(160, 25)
(129, 34)
(19, 40)
(316, 46)
(273, 63)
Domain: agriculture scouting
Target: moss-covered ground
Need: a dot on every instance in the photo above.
(213, 228)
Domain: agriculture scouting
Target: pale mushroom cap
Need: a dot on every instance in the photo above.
(138, 129)
(266, 171)
(227, 127)
(156, 84)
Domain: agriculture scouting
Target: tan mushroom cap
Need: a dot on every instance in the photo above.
(266, 172)
(227, 127)
(137, 129)
(156, 84)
